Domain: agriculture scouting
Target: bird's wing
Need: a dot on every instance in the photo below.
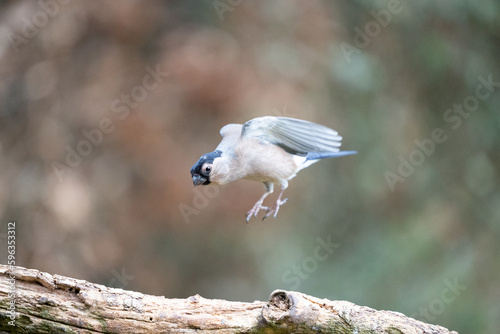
(295, 136)
(230, 133)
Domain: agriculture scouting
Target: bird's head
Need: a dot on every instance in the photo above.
(201, 170)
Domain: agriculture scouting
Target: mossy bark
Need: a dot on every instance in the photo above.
(46, 303)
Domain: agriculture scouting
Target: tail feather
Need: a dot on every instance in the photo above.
(323, 155)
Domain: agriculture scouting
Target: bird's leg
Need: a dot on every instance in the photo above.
(258, 206)
(276, 206)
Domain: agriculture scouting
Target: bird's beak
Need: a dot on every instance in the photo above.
(197, 180)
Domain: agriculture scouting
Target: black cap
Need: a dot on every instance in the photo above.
(196, 171)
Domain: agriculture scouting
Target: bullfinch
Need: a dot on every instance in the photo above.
(268, 149)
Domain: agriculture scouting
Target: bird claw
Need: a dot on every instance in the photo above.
(255, 210)
(275, 208)
(269, 211)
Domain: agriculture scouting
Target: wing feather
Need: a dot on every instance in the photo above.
(293, 135)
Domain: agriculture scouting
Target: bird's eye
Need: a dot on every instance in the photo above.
(207, 169)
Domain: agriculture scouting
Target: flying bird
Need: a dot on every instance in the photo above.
(268, 149)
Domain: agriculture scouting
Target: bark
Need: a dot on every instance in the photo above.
(46, 303)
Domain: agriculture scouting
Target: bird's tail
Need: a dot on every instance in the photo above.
(324, 155)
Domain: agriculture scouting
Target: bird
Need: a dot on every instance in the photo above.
(267, 149)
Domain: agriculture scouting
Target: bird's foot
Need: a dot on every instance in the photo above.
(255, 210)
(275, 208)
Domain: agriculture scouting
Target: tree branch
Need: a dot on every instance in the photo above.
(46, 303)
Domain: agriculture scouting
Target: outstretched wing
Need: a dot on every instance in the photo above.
(295, 136)
(231, 134)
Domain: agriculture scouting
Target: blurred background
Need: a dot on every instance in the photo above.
(104, 108)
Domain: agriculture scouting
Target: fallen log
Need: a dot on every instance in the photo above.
(37, 302)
